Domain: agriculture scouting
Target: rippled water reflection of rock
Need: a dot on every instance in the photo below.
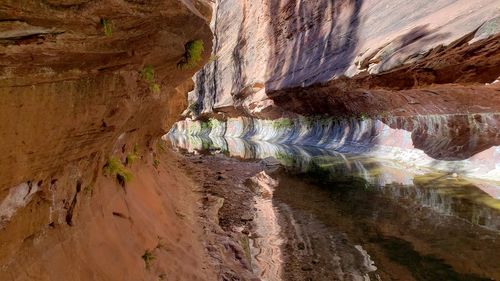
(331, 216)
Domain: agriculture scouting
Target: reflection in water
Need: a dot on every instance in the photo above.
(405, 239)
(330, 216)
(266, 245)
(424, 141)
(288, 245)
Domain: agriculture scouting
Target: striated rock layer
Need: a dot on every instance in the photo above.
(82, 82)
(421, 77)
(269, 45)
(419, 141)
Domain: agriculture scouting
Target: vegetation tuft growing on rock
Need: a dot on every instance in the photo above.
(107, 27)
(160, 146)
(194, 108)
(283, 123)
(212, 123)
(148, 75)
(285, 158)
(114, 167)
(88, 190)
(193, 55)
(363, 116)
(132, 156)
(156, 163)
(148, 258)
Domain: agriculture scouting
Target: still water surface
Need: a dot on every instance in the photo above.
(330, 216)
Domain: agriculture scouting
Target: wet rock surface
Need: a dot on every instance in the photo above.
(309, 224)
(228, 204)
(455, 143)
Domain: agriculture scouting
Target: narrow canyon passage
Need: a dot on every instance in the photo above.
(247, 140)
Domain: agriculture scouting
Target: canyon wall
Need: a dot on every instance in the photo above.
(88, 87)
(268, 45)
(419, 76)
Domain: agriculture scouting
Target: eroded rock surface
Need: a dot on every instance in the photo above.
(263, 46)
(82, 82)
(418, 66)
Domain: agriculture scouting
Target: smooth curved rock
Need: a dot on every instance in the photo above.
(264, 46)
(425, 141)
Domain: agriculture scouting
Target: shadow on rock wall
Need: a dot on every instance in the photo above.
(317, 52)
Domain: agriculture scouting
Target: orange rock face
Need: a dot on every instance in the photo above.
(81, 81)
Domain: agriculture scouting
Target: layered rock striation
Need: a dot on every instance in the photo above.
(87, 87)
(265, 46)
(437, 142)
(415, 75)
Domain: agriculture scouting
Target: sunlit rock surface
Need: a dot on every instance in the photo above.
(268, 45)
(414, 81)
